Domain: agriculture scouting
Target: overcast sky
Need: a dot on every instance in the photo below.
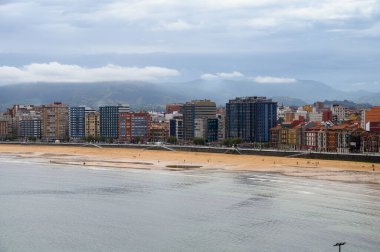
(333, 41)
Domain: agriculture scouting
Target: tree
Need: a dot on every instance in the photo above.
(172, 140)
(236, 141)
(136, 140)
(232, 141)
(32, 138)
(198, 141)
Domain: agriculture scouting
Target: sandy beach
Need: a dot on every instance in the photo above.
(176, 160)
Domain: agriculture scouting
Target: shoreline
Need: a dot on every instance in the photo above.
(129, 158)
(352, 157)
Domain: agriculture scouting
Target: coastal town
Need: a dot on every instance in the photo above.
(252, 122)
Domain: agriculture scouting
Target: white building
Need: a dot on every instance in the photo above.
(200, 125)
(339, 111)
(157, 116)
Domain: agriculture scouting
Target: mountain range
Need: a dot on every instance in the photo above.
(146, 95)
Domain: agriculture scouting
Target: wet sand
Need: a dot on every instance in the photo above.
(176, 160)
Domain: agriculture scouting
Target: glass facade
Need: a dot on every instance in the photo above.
(109, 121)
(250, 118)
(77, 122)
(212, 129)
(30, 128)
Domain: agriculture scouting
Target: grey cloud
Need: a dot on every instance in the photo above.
(336, 30)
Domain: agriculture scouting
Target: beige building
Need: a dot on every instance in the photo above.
(159, 132)
(55, 121)
(5, 126)
(5, 129)
(92, 123)
(339, 111)
(200, 126)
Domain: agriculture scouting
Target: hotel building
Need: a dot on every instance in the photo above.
(250, 118)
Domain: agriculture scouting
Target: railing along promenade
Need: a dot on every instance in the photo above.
(357, 157)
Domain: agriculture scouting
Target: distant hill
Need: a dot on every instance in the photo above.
(154, 95)
(373, 99)
(137, 94)
(289, 101)
(347, 104)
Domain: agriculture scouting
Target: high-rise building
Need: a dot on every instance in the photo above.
(77, 122)
(55, 121)
(200, 127)
(250, 118)
(92, 123)
(196, 109)
(30, 128)
(176, 127)
(109, 120)
(5, 128)
(19, 113)
(221, 126)
(212, 130)
(206, 128)
(134, 127)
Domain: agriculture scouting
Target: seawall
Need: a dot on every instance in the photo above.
(355, 157)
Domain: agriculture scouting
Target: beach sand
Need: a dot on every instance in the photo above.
(334, 170)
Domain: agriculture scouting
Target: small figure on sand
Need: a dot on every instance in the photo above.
(84, 163)
(373, 167)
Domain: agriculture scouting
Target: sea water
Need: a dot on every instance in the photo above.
(48, 207)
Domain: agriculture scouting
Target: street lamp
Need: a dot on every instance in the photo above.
(339, 244)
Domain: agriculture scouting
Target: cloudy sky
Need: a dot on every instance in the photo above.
(335, 42)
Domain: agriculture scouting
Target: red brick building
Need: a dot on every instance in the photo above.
(170, 108)
(134, 127)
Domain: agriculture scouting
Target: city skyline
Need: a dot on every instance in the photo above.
(201, 125)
